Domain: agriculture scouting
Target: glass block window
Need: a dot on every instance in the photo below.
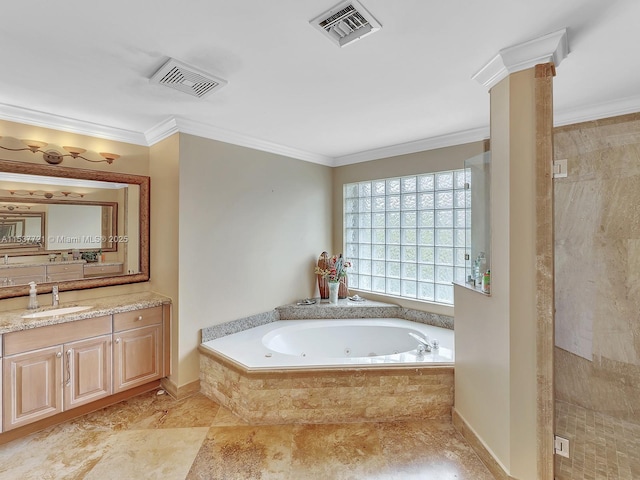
(405, 236)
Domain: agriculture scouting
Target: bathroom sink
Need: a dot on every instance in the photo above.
(56, 312)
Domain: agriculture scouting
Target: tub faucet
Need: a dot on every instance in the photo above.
(55, 296)
(423, 343)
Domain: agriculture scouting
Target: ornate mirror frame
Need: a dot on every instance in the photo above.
(144, 184)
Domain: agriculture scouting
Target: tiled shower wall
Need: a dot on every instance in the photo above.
(597, 262)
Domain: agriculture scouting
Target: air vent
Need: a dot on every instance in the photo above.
(187, 79)
(346, 22)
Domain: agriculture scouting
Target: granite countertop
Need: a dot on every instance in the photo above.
(12, 321)
(40, 264)
(322, 309)
(345, 308)
(101, 264)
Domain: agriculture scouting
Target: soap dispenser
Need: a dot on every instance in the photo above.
(33, 296)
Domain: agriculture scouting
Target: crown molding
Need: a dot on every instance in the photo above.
(174, 125)
(598, 111)
(441, 141)
(162, 130)
(549, 48)
(15, 114)
(182, 125)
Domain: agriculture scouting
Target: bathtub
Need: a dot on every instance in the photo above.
(324, 371)
(297, 344)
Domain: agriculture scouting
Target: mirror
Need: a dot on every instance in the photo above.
(20, 230)
(70, 227)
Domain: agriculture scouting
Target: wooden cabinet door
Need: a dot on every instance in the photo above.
(137, 357)
(32, 383)
(87, 371)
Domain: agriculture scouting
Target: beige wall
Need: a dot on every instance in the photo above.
(448, 158)
(496, 336)
(252, 225)
(165, 219)
(134, 160)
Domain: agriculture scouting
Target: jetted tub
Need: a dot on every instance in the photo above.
(334, 343)
(324, 371)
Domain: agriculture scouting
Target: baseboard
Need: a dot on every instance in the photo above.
(181, 392)
(494, 466)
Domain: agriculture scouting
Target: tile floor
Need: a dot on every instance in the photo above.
(600, 447)
(155, 437)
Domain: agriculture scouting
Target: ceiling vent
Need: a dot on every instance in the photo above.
(346, 22)
(187, 79)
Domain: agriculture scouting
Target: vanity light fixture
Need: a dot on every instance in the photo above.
(11, 208)
(54, 157)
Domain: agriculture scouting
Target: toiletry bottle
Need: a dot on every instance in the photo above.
(486, 282)
(479, 267)
(476, 270)
(33, 296)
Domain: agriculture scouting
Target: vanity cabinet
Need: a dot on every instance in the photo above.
(101, 269)
(62, 272)
(87, 372)
(51, 369)
(22, 275)
(32, 382)
(35, 384)
(138, 347)
(56, 272)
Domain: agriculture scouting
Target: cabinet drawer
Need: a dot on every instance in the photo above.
(22, 272)
(102, 269)
(74, 268)
(61, 277)
(25, 340)
(137, 318)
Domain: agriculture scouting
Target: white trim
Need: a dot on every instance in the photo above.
(162, 130)
(552, 47)
(173, 125)
(57, 122)
(598, 111)
(441, 141)
(216, 133)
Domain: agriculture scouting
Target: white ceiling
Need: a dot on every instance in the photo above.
(85, 66)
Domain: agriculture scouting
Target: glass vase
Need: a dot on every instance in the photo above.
(333, 292)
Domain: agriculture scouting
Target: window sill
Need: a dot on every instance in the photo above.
(473, 288)
(413, 303)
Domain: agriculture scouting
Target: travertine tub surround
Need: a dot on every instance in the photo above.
(327, 395)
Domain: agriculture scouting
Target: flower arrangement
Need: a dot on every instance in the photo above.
(336, 269)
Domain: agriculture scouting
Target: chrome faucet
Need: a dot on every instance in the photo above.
(424, 345)
(55, 296)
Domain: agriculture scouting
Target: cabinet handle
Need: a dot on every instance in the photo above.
(59, 354)
(139, 317)
(117, 340)
(68, 368)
